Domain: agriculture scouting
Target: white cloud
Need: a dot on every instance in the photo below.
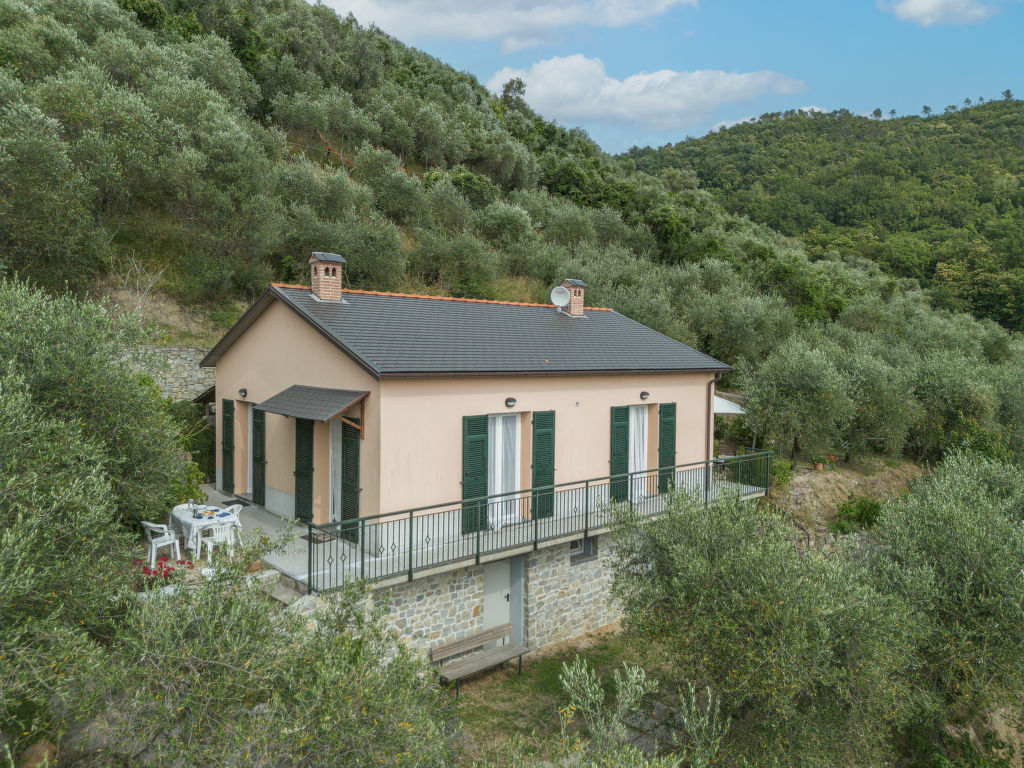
(517, 23)
(576, 89)
(929, 13)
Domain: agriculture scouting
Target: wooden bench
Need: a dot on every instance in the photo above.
(470, 665)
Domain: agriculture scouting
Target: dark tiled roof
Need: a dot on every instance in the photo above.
(321, 256)
(311, 402)
(396, 335)
(574, 281)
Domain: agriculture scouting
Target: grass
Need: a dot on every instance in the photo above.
(499, 706)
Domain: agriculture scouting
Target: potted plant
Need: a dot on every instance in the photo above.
(822, 459)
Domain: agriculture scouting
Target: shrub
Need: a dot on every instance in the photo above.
(953, 550)
(856, 514)
(806, 655)
(220, 676)
(72, 358)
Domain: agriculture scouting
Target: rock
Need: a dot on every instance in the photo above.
(42, 754)
(306, 605)
(255, 566)
(268, 579)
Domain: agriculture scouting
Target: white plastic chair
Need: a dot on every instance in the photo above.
(221, 533)
(160, 535)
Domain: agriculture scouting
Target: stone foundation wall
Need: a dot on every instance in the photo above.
(436, 609)
(565, 600)
(561, 600)
(176, 370)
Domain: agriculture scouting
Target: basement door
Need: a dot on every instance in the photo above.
(497, 595)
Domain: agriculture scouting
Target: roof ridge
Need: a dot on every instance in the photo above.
(439, 298)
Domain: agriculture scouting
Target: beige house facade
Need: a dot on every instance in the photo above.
(399, 437)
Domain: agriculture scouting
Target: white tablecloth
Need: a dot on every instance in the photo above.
(191, 528)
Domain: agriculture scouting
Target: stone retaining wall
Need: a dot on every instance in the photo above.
(176, 370)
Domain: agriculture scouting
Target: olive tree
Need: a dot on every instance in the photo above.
(798, 398)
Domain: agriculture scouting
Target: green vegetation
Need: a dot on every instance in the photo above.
(858, 658)
(221, 142)
(937, 198)
(856, 514)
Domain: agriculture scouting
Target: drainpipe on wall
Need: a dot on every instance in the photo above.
(709, 430)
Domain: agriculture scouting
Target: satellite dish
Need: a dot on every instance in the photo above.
(560, 296)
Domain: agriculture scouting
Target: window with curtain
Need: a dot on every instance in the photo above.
(503, 449)
(638, 452)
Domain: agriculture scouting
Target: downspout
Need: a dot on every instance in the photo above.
(709, 425)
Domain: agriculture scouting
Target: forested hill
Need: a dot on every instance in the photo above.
(939, 198)
(214, 143)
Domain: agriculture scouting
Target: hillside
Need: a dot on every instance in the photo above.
(937, 198)
(214, 145)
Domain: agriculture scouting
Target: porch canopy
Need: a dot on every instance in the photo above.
(313, 403)
(722, 406)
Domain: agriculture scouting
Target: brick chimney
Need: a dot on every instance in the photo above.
(575, 288)
(325, 275)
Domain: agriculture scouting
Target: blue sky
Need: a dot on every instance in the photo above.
(655, 71)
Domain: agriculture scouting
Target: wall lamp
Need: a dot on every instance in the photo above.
(510, 402)
(644, 395)
(243, 392)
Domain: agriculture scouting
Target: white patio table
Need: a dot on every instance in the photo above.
(191, 528)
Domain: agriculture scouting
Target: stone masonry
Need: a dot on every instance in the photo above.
(561, 600)
(176, 370)
(436, 609)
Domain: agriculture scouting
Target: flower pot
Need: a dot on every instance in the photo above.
(818, 466)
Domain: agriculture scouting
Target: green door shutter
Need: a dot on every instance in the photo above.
(259, 457)
(543, 463)
(666, 445)
(619, 486)
(474, 473)
(304, 470)
(349, 529)
(227, 446)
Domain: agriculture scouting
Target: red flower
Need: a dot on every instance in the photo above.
(181, 562)
(136, 561)
(163, 559)
(190, 564)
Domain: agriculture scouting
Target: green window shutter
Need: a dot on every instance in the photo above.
(227, 446)
(350, 440)
(666, 444)
(543, 463)
(304, 470)
(474, 473)
(259, 457)
(619, 486)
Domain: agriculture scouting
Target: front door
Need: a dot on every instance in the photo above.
(345, 478)
(497, 594)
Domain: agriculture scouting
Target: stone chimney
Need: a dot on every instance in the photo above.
(325, 275)
(575, 288)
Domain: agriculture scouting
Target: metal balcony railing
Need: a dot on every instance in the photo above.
(400, 544)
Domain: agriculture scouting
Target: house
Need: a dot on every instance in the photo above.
(416, 435)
